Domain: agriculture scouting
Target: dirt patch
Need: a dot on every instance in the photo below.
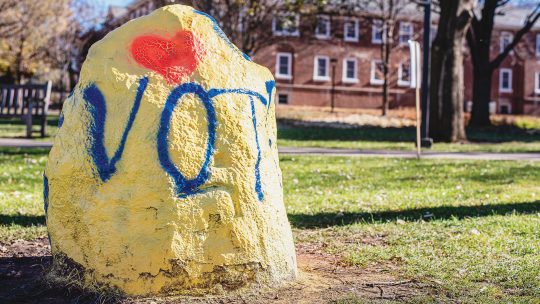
(323, 279)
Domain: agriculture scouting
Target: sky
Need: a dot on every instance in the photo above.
(116, 2)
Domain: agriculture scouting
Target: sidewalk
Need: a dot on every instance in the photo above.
(409, 154)
(30, 143)
(24, 143)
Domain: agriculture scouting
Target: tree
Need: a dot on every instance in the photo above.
(28, 31)
(479, 40)
(245, 22)
(387, 13)
(446, 85)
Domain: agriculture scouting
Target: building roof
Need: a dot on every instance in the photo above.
(513, 17)
(116, 11)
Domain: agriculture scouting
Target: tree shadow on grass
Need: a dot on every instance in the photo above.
(328, 219)
(322, 132)
(22, 220)
(37, 151)
(305, 131)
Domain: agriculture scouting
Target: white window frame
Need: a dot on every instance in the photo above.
(328, 27)
(287, 76)
(537, 83)
(401, 82)
(537, 45)
(344, 77)
(501, 72)
(317, 77)
(402, 31)
(296, 33)
(502, 38)
(372, 79)
(375, 26)
(356, 38)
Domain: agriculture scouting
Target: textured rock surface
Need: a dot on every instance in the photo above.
(164, 175)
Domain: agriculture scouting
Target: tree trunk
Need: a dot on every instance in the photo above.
(481, 97)
(385, 103)
(386, 47)
(446, 91)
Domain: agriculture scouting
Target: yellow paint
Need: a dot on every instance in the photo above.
(132, 232)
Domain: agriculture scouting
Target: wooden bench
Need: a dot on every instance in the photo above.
(26, 101)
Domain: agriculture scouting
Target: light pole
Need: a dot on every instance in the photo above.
(333, 62)
(426, 140)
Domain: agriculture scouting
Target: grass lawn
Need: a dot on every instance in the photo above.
(469, 229)
(494, 139)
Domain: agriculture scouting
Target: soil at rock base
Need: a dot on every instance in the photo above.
(323, 279)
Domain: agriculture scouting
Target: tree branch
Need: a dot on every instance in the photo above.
(529, 23)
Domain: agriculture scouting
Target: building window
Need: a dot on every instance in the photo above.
(351, 30)
(505, 80)
(283, 98)
(505, 40)
(537, 83)
(377, 32)
(322, 30)
(377, 72)
(538, 45)
(286, 25)
(405, 32)
(284, 66)
(321, 67)
(505, 108)
(404, 74)
(350, 70)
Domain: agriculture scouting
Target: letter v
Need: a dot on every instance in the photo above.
(98, 110)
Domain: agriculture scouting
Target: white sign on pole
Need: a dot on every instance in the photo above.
(416, 74)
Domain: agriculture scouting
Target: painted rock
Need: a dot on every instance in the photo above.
(164, 175)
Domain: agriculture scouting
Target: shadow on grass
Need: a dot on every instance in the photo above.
(22, 220)
(305, 131)
(288, 130)
(328, 219)
(24, 150)
(16, 128)
(52, 120)
(22, 281)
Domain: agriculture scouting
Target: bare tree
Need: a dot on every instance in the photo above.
(446, 85)
(479, 40)
(246, 22)
(388, 13)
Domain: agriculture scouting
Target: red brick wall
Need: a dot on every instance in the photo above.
(302, 89)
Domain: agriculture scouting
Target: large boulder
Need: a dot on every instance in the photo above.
(164, 175)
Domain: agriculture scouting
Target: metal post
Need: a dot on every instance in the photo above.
(333, 61)
(426, 140)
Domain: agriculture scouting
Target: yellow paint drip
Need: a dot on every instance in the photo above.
(121, 215)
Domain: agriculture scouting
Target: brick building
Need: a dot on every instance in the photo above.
(307, 57)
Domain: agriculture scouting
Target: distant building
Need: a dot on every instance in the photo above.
(301, 60)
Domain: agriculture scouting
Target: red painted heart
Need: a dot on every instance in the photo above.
(172, 58)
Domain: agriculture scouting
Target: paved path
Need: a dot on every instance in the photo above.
(24, 143)
(410, 154)
(29, 143)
